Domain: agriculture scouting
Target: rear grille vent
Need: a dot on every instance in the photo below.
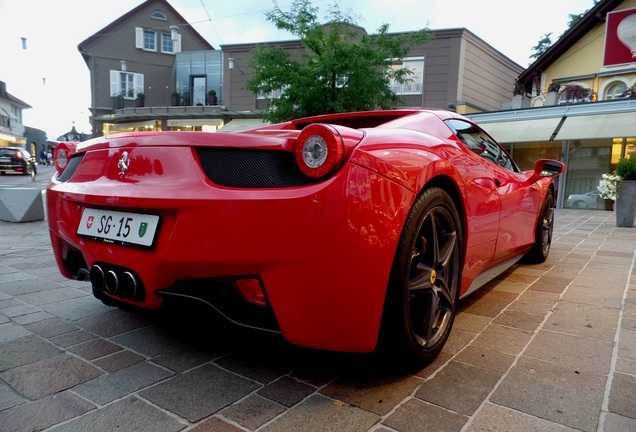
(72, 165)
(243, 168)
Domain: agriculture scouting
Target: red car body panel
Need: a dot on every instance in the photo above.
(323, 251)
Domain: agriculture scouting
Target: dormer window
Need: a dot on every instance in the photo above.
(158, 15)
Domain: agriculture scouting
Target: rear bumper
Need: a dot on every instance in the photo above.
(323, 252)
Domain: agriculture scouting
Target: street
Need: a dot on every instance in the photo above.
(14, 180)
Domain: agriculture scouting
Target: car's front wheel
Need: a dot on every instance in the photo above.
(423, 291)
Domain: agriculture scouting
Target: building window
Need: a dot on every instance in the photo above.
(145, 39)
(158, 15)
(415, 85)
(615, 91)
(169, 45)
(149, 40)
(274, 94)
(126, 84)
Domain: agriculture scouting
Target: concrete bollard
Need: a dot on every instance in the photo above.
(21, 205)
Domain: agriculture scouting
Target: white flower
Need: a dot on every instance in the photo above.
(608, 186)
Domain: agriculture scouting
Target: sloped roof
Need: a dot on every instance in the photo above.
(4, 94)
(594, 16)
(106, 30)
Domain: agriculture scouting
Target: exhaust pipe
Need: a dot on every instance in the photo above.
(97, 277)
(128, 285)
(117, 281)
(111, 282)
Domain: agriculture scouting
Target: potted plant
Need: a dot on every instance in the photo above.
(608, 189)
(630, 92)
(175, 99)
(212, 97)
(552, 95)
(519, 99)
(118, 101)
(578, 93)
(141, 99)
(626, 196)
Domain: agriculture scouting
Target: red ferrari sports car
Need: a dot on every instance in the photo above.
(346, 232)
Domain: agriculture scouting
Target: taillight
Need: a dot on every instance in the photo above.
(62, 154)
(19, 154)
(319, 150)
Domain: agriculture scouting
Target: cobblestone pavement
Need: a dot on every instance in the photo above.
(550, 347)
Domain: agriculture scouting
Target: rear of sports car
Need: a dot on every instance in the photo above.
(286, 231)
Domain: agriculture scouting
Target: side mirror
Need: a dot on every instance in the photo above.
(548, 168)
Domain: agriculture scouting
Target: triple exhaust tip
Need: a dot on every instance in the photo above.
(124, 284)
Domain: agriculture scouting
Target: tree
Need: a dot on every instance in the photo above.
(542, 46)
(574, 18)
(546, 40)
(341, 68)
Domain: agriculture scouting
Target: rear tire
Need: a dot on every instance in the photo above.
(423, 291)
(543, 235)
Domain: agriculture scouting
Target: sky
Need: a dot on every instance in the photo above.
(51, 76)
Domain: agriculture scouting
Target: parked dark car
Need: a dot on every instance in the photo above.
(16, 159)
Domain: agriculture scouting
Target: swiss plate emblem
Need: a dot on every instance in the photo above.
(142, 229)
(89, 222)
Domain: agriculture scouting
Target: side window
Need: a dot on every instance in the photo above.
(481, 143)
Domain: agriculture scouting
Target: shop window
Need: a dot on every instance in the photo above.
(527, 154)
(587, 161)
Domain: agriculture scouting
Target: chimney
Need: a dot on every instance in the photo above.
(3, 89)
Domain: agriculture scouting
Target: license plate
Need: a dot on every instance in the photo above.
(119, 227)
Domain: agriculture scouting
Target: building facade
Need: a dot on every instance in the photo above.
(11, 124)
(578, 103)
(132, 60)
(141, 52)
(454, 70)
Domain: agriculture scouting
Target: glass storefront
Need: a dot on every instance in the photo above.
(198, 72)
(586, 161)
(526, 154)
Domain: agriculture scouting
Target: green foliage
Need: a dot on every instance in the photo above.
(626, 167)
(546, 40)
(542, 46)
(340, 69)
(574, 18)
(554, 87)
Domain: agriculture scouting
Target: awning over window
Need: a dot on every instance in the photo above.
(242, 124)
(522, 130)
(617, 125)
(576, 127)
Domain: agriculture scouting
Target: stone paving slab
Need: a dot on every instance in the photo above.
(545, 348)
